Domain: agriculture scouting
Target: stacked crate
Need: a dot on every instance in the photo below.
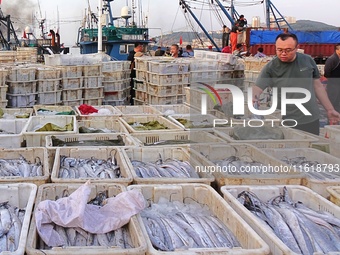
(93, 90)
(22, 86)
(49, 85)
(27, 54)
(162, 82)
(72, 83)
(3, 87)
(116, 82)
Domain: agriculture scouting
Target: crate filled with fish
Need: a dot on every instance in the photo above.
(16, 208)
(90, 239)
(11, 133)
(242, 164)
(266, 136)
(176, 138)
(167, 110)
(334, 194)
(89, 111)
(168, 66)
(74, 165)
(38, 127)
(53, 110)
(136, 124)
(320, 169)
(196, 121)
(165, 165)
(24, 165)
(113, 125)
(194, 219)
(138, 110)
(291, 219)
(16, 113)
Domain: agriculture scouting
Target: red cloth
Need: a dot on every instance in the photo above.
(226, 49)
(87, 109)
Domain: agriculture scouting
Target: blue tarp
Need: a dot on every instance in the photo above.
(313, 37)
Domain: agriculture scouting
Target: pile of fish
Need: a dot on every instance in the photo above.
(175, 225)
(20, 167)
(79, 237)
(85, 130)
(171, 168)
(302, 229)
(10, 227)
(235, 163)
(167, 142)
(257, 133)
(151, 125)
(112, 142)
(312, 168)
(88, 168)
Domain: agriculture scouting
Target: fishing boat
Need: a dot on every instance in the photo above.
(116, 41)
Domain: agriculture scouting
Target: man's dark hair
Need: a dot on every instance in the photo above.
(239, 45)
(260, 49)
(137, 44)
(241, 16)
(188, 47)
(285, 36)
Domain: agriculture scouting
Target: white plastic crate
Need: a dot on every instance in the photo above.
(113, 66)
(175, 109)
(141, 63)
(334, 194)
(200, 54)
(72, 83)
(116, 75)
(325, 160)
(109, 124)
(3, 91)
(15, 127)
(32, 155)
(113, 112)
(179, 99)
(292, 139)
(117, 95)
(297, 193)
(138, 110)
(73, 71)
(73, 102)
(166, 90)
(144, 119)
(92, 93)
(203, 65)
(72, 94)
(49, 85)
(116, 85)
(138, 102)
(200, 76)
(271, 171)
(333, 132)
(47, 72)
(51, 97)
(225, 66)
(105, 153)
(141, 75)
(21, 100)
(141, 95)
(116, 102)
(81, 138)
(51, 191)
(34, 139)
(140, 85)
(225, 75)
(92, 70)
(168, 67)
(93, 101)
(22, 87)
(21, 195)
(151, 155)
(20, 113)
(168, 79)
(251, 243)
(3, 76)
(194, 121)
(92, 81)
(52, 108)
(175, 138)
(21, 73)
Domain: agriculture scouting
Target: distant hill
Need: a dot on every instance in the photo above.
(301, 25)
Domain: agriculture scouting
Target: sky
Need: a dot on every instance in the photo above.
(164, 16)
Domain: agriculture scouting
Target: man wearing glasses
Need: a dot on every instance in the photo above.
(293, 69)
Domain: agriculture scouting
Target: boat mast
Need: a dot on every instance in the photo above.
(270, 9)
(100, 28)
